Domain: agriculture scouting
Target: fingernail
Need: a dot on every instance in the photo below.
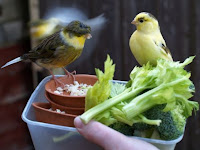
(78, 123)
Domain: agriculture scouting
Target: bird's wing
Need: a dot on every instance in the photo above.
(36, 22)
(166, 49)
(160, 43)
(162, 46)
(46, 48)
(96, 23)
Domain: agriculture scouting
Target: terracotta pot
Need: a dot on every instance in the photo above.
(43, 114)
(65, 99)
(68, 110)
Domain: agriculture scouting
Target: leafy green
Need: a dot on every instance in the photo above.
(167, 83)
(101, 89)
(116, 89)
(171, 85)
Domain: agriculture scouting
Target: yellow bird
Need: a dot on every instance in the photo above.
(40, 29)
(60, 49)
(147, 43)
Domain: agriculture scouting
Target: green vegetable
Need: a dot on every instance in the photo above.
(147, 130)
(173, 122)
(101, 89)
(116, 89)
(167, 83)
(142, 126)
(151, 114)
(171, 85)
(123, 128)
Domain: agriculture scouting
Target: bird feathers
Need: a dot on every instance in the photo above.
(16, 60)
(59, 49)
(147, 43)
(45, 49)
(73, 40)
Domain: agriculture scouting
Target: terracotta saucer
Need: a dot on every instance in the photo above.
(69, 110)
(65, 99)
(43, 114)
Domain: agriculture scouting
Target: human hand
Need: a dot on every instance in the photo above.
(108, 138)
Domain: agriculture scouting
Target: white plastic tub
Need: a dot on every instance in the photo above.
(50, 137)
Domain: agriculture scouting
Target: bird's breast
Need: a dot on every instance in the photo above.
(67, 56)
(63, 56)
(143, 48)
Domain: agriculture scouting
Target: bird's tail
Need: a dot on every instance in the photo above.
(16, 60)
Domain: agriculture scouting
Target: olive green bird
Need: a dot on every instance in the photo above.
(60, 49)
(147, 43)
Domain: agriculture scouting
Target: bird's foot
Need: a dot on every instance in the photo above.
(58, 83)
(70, 74)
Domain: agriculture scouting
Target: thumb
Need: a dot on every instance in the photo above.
(108, 138)
(99, 133)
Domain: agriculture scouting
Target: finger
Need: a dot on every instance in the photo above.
(108, 138)
(99, 134)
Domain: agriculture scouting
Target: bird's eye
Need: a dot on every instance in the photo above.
(82, 25)
(141, 20)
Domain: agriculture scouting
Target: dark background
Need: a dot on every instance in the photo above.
(180, 25)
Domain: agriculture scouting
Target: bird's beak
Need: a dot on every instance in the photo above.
(88, 36)
(134, 22)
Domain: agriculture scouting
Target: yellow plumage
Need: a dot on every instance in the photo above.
(59, 49)
(77, 42)
(147, 43)
(40, 29)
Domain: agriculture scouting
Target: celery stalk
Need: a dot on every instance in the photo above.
(88, 115)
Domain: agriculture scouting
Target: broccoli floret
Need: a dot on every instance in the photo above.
(142, 126)
(172, 125)
(122, 128)
(152, 113)
(143, 129)
(173, 122)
